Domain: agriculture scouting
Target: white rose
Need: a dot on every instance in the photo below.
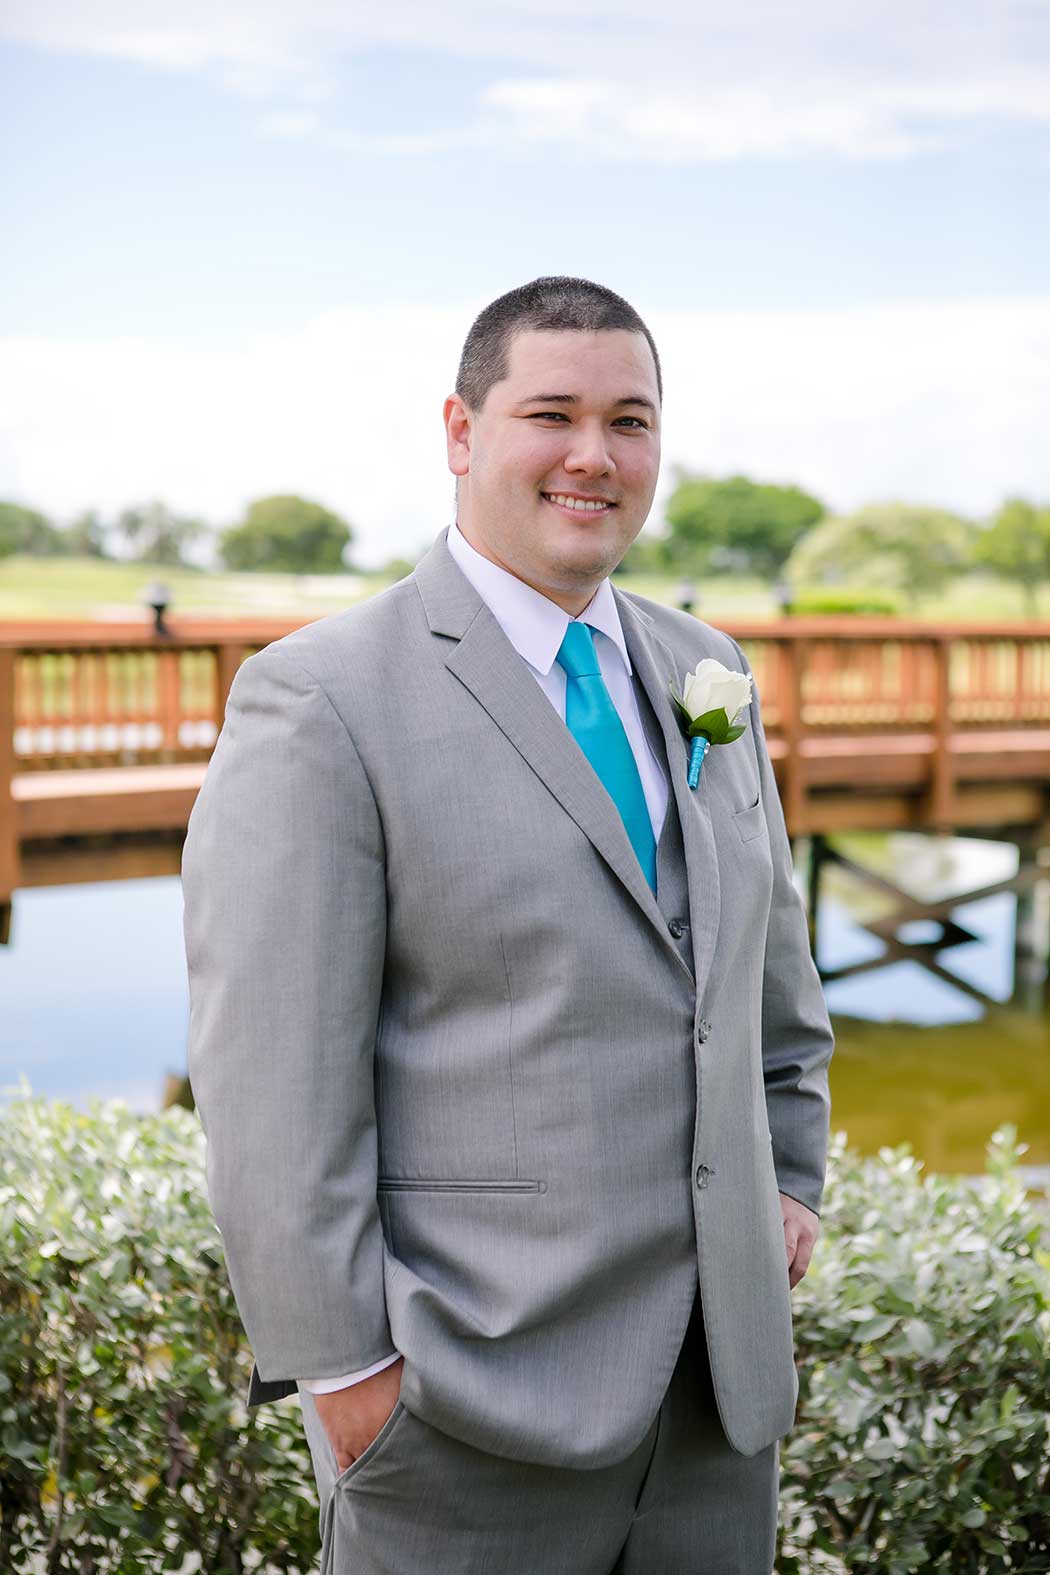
(712, 685)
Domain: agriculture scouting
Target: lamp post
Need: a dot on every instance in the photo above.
(158, 596)
(784, 598)
(686, 596)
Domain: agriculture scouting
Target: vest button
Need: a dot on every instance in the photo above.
(703, 1030)
(702, 1173)
(677, 928)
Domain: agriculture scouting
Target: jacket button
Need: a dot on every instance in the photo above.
(703, 1031)
(677, 928)
(702, 1173)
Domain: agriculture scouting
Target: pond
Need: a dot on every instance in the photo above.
(93, 1002)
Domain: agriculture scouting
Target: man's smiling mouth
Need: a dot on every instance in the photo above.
(575, 505)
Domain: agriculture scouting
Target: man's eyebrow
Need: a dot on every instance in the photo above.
(571, 399)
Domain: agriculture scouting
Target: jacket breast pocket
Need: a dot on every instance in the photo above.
(750, 821)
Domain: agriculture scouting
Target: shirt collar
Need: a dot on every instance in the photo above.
(533, 624)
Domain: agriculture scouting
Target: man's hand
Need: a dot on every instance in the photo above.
(352, 1417)
(801, 1229)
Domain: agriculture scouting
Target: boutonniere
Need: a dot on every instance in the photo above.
(713, 699)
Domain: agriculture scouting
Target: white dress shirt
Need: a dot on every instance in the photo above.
(536, 626)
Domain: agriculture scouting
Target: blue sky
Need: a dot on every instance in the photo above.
(243, 249)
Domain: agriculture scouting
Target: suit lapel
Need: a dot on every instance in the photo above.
(655, 668)
(486, 663)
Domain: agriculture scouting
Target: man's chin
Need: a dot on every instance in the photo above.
(579, 570)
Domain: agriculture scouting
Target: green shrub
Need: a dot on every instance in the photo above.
(923, 1332)
(125, 1445)
(922, 1439)
(809, 600)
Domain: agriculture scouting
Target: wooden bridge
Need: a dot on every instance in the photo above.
(873, 724)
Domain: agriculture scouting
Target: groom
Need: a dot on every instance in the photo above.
(508, 1045)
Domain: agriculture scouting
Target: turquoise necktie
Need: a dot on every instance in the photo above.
(594, 722)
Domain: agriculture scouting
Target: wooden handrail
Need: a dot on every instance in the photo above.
(49, 633)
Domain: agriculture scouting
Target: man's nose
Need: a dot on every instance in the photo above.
(589, 451)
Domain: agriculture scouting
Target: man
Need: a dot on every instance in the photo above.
(505, 1040)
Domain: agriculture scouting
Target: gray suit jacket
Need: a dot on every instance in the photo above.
(463, 1094)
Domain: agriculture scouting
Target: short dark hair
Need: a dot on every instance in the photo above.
(549, 304)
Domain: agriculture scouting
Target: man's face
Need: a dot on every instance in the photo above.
(576, 421)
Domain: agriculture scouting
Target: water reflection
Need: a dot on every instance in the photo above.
(93, 1001)
(93, 997)
(920, 1056)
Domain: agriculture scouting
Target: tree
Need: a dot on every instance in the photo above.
(736, 524)
(287, 534)
(1016, 546)
(895, 546)
(647, 554)
(398, 567)
(29, 531)
(153, 534)
(86, 536)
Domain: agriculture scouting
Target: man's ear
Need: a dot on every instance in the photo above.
(458, 432)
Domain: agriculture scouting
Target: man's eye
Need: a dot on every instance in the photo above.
(559, 415)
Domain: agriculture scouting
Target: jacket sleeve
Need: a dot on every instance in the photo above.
(797, 1039)
(285, 922)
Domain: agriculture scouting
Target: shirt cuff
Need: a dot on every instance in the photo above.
(328, 1386)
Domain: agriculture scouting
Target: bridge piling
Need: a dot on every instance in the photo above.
(1032, 931)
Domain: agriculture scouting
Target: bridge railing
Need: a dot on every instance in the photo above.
(81, 697)
(87, 696)
(934, 687)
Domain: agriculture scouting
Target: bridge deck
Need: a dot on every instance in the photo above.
(127, 798)
(52, 804)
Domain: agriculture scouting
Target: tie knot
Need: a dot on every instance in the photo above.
(577, 654)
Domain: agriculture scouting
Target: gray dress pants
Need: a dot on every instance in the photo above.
(683, 1503)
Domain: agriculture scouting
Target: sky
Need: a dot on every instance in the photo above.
(243, 244)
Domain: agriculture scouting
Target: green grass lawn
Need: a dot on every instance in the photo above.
(93, 588)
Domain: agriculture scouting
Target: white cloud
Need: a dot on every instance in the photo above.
(937, 402)
(674, 80)
(608, 119)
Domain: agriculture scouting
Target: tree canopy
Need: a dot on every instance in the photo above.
(1016, 546)
(27, 530)
(86, 536)
(892, 546)
(152, 533)
(287, 534)
(735, 524)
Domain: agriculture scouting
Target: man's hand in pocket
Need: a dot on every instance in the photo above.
(352, 1417)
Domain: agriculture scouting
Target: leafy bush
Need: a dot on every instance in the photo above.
(843, 600)
(923, 1332)
(124, 1441)
(922, 1440)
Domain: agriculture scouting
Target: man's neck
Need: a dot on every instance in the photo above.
(571, 602)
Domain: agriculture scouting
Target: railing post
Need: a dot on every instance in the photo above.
(942, 773)
(8, 825)
(789, 696)
(228, 658)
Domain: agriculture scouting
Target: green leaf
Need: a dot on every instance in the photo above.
(919, 1336)
(875, 1328)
